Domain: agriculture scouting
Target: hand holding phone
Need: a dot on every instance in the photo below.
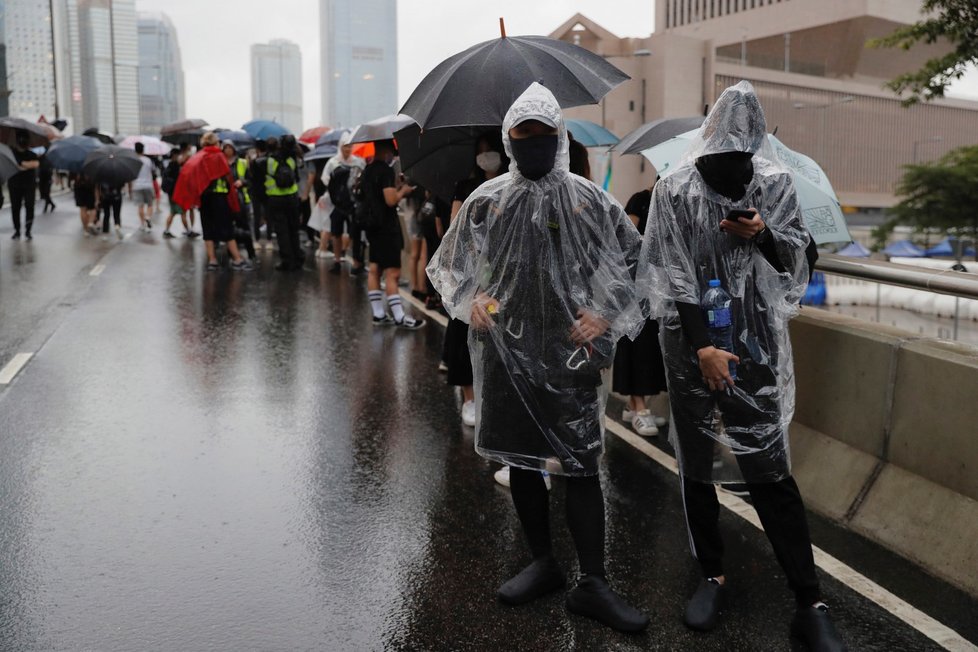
(743, 223)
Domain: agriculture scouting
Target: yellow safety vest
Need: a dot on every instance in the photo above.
(271, 188)
(241, 169)
(219, 186)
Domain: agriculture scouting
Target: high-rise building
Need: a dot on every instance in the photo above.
(276, 83)
(4, 91)
(161, 87)
(106, 87)
(29, 31)
(358, 43)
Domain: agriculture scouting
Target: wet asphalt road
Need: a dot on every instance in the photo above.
(233, 461)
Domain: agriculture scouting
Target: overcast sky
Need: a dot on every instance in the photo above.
(215, 37)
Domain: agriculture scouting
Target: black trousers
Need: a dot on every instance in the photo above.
(585, 516)
(782, 513)
(429, 231)
(22, 196)
(282, 214)
(113, 207)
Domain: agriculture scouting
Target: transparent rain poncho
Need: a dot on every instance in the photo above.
(544, 250)
(723, 436)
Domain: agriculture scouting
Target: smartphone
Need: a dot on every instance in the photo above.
(736, 213)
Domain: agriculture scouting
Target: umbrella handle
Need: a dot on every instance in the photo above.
(502, 28)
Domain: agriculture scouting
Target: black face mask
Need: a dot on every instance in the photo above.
(535, 155)
(728, 173)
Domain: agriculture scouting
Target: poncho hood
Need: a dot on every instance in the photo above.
(538, 103)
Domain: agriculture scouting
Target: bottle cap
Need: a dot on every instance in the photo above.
(714, 282)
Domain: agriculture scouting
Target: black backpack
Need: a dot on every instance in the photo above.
(339, 188)
(368, 215)
(284, 174)
(170, 178)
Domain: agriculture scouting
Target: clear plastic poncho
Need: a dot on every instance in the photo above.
(743, 432)
(544, 250)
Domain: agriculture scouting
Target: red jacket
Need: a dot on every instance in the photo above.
(197, 174)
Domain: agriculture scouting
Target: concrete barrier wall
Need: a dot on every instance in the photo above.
(885, 438)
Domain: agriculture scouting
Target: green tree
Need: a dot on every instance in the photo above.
(954, 21)
(941, 195)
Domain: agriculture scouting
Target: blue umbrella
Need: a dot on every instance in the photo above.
(854, 250)
(69, 153)
(321, 152)
(265, 129)
(242, 139)
(903, 249)
(590, 134)
(331, 137)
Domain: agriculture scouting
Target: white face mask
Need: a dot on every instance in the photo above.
(488, 161)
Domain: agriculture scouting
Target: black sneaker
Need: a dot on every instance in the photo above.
(410, 324)
(213, 267)
(241, 266)
(167, 234)
(593, 598)
(813, 626)
(703, 609)
(16, 235)
(28, 236)
(386, 320)
(541, 577)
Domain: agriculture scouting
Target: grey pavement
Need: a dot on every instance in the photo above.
(239, 461)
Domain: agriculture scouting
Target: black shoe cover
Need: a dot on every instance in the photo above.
(538, 579)
(704, 607)
(813, 626)
(592, 597)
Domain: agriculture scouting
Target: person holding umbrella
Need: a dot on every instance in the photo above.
(539, 263)
(206, 180)
(729, 217)
(23, 185)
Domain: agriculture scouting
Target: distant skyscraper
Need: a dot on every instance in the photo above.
(4, 91)
(106, 86)
(358, 42)
(161, 89)
(276, 83)
(30, 58)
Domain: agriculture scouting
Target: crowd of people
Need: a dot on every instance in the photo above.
(550, 284)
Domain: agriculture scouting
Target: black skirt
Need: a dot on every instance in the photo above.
(639, 369)
(215, 217)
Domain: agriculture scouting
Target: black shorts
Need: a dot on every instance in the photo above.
(215, 217)
(338, 220)
(385, 249)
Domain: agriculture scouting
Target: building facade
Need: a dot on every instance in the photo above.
(358, 43)
(30, 66)
(821, 87)
(4, 90)
(276, 83)
(161, 81)
(107, 87)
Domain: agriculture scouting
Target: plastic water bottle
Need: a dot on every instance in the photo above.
(716, 306)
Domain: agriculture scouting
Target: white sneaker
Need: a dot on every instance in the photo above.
(502, 476)
(468, 413)
(442, 367)
(644, 424)
(626, 415)
(118, 232)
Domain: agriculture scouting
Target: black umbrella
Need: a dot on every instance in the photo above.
(438, 158)
(112, 165)
(93, 132)
(70, 153)
(476, 87)
(8, 163)
(380, 129)
(654, 133)
(36, 134)
(331, 137)
(321, 152)
(185, 131)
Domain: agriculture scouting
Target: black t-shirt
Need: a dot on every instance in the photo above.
(24, 178)
(638, 205)
(466, 187)
(377, 176)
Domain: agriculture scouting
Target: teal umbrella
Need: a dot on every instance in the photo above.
(590, 134)
(819, 204)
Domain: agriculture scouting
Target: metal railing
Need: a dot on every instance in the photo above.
(941, 281)
(959, 285)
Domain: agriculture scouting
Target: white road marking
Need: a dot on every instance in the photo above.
(929, 627)
(98, 269)
(13, 367)
(932, 629)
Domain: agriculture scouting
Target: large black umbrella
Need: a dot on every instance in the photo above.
(70, 153)
(112, 165)
(438, 158)
(476, 87)
(653, 133)
(37, 136)
(8, 163)
(185, 131)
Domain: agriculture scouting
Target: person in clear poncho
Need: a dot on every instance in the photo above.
(719, 417)
(540, 263)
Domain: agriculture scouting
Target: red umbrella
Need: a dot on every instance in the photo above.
(312, 135)
(198, 173)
